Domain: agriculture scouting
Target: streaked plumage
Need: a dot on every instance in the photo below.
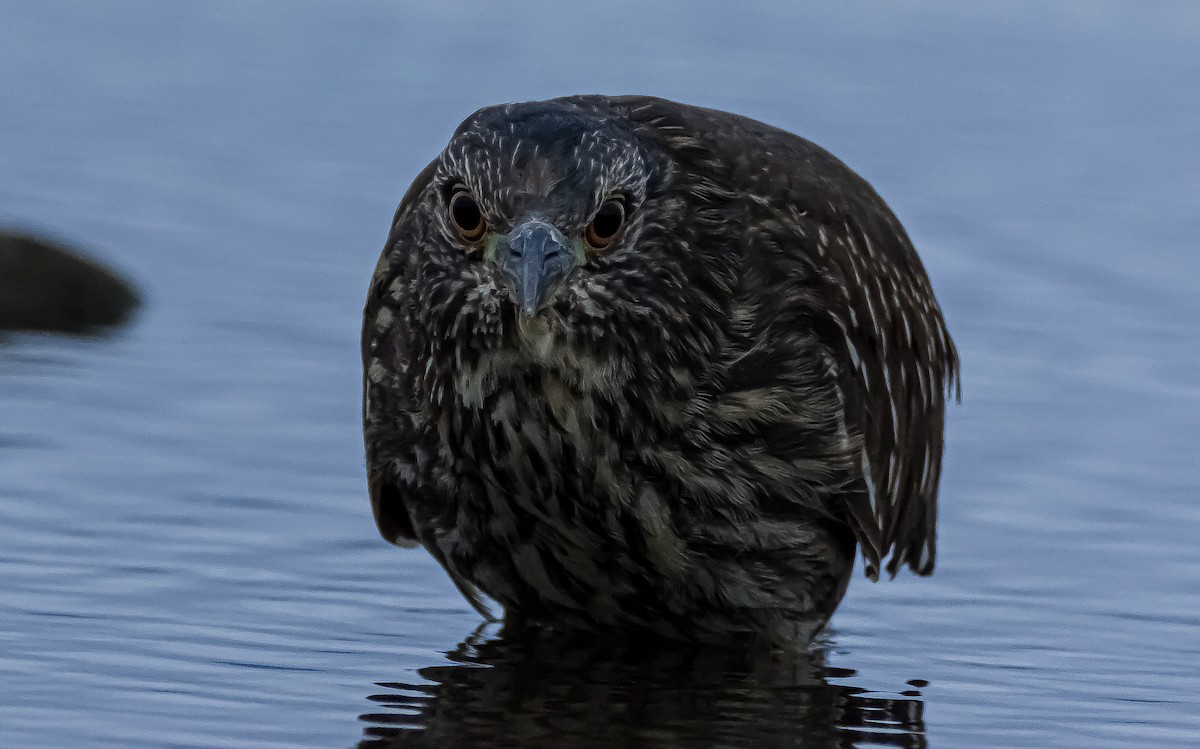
(685, 432)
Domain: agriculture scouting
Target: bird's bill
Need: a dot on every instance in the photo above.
(535, 257)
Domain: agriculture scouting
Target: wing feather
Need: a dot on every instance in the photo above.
(897, 362)
(383, 356)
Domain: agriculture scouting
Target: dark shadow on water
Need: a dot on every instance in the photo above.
(541, 693)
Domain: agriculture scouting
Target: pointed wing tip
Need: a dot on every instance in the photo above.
(899, 559)
(923, 569)
(871, 571)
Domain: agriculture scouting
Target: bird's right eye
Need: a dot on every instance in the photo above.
(465, 215)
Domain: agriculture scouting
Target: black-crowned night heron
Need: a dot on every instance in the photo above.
(636, 365)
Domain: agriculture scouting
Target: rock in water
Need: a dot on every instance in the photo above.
(47, 287)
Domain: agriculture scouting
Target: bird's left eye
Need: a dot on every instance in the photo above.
(606, 223)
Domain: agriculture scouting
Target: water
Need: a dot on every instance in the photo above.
(187, 556)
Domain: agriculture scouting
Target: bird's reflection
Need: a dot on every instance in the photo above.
(537, 692)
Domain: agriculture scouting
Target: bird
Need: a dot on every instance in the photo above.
(636, 366)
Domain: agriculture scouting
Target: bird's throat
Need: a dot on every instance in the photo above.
(536, 335)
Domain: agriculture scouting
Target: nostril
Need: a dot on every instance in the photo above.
(537, 243)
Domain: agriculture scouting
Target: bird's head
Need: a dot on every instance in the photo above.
(550, 235)
(537, 192)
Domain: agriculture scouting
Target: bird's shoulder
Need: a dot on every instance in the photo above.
(751, 154)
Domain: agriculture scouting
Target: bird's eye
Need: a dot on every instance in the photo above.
(606, 223)
(466, 216)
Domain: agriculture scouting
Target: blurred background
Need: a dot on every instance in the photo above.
(187, 555)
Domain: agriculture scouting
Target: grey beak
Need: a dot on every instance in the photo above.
(536, 257)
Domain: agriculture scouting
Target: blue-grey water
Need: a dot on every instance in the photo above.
(187, 555)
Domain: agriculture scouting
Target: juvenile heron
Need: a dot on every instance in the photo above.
(636, 365)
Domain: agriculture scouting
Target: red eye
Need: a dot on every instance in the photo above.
(605, 224)
(466, 216)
